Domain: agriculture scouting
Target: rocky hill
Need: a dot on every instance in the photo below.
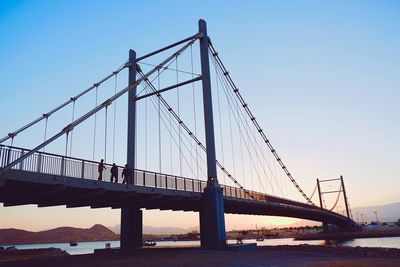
(58, 235)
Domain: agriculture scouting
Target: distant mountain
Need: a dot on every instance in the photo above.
(386, 213)
(62, 234)
(151, 230)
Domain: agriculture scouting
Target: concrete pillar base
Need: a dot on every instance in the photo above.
(325, 227)
(212, 221)
(131, 227)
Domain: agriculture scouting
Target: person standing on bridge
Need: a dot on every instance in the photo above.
(126, 173)
(114, 173)
(100, 169)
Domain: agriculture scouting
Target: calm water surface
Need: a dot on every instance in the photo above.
(89, 247)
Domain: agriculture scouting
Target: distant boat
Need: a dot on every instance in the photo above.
(148, 243)
(73, 243)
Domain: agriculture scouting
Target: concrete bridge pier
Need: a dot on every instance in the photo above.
(325, 227)
(131, 227)
(212, 221)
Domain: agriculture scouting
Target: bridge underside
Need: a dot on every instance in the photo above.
(44, 190)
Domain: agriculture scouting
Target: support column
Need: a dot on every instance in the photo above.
(324, 224)
(131, 217)
(131, 227)
(345, 197)
(212, 221)
(131, 142)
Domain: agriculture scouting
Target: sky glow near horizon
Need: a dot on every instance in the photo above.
(322, 79)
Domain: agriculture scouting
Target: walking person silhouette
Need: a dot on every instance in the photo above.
(114, 173)
(100, 169)
(126, 173)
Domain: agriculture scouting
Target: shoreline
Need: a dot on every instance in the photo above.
(348, 235)
(43, 243)
(327, 237)
(282, 255)
(338, 236)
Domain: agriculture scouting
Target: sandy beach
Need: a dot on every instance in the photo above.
(263, 256)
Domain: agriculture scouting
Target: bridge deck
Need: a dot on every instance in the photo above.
(49, 180)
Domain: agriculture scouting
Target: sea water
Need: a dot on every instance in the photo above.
(89, 247)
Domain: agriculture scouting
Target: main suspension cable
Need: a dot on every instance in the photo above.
(241, 118)
(238, 120)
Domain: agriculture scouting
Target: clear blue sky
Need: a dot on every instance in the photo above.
(323, 79)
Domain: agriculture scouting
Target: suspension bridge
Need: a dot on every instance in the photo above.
(172, 161)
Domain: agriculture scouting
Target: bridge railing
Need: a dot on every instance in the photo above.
(58, 165)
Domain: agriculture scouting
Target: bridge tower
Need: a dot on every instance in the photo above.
(131, 216)
(324, 224)
(351, 225)
(212, 221)
(345, 197)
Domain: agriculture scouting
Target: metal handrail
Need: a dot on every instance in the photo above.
(58, 165)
